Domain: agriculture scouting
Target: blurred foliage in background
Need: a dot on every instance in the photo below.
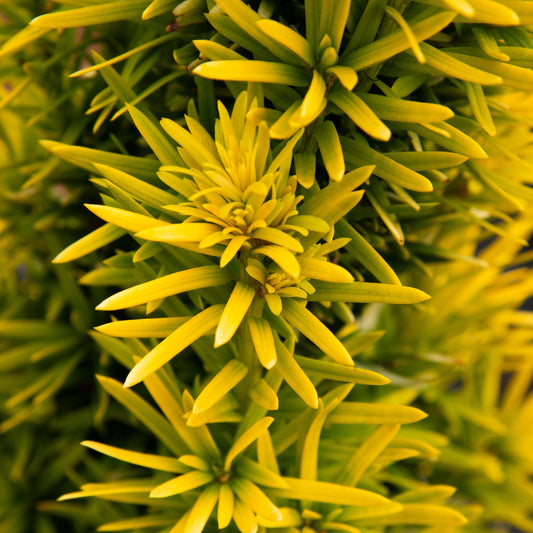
(267, 262)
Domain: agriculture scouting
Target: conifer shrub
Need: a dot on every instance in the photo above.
(267, 261)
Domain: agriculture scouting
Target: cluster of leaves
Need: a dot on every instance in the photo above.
(320, 161)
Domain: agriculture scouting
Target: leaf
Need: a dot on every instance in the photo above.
(419, 514)
(139, 521)
(133, 222)
(323, 270)
(254, 71)
(456, 68)
(329, 370)
(169, 285)
(513, 76)
(480, 108)
(92, 241)
(314, 100)
(365, 455)
(309, 454)
(89, 15)
(388, 108)
(427, 160)
(196, 327)
(181, 484)
(263, 395)
(295, 377)
(386, 47)
(310, 326)
(128, 486)
(496, 13)
(142, 167)
(451, 138)
(144, 412)
(346, 76)
(305, 164)
(21, 39)
(142, 327)
(288, 38)
(330, 150)
(357, 154)
(244, 518)
(246, 19)
(283, 257)
(196, 149)
(331, 201)
(158, 7)
(156, 462)
(152, 133)
(263, 341)
(186, 232)
(374, 413)
(258, 473)
(413, 42)
(233, 314)
(201, 510)
(226, 502)
(276, 236)
(247, 438)
(227, 378)
(361, 114)
(321, 491)
(251, 495)
(121, 57)
(139, 189)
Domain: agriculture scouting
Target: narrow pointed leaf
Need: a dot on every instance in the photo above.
(153, 134)
(283, 257)
(323, 270)
(177, 233)
(220, 385)
(238, 304)
(313, 101)
(127, 220)
(288, 38)
(321, 491)
(254, 71)
(374, 413)
(361, 114)
(202, 509)
(420, 514)
(276, 236)
(185, 335)
(453, 139)
(263, 341)
(247, 438)
(263, 395)
(386, 47)
(86, 16)
(91, 242)
(330, 150)
(226, 502)
(176, 283)
(310, 326)
(388, 108)
(357, 154)
(255, 498)
(156, 462)
(181, 484)
(144, 412)
(295, 377)
(456, 68)
(143, 168)
(367, 452)
(338, 372)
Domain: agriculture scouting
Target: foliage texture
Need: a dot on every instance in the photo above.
(299, 276)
